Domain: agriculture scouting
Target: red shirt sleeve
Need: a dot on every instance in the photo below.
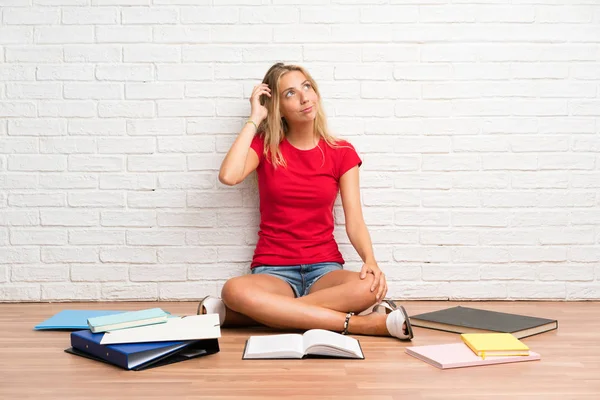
(258, 146)
(347, 158)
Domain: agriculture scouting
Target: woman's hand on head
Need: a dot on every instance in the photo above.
(259, 112)
(379, 285)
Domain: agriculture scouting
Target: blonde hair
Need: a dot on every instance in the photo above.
(274, 127)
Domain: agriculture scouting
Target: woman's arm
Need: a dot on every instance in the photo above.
(240, 161)
(357, 230)
(355, 224)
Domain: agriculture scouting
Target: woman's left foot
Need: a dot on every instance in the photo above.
(398, 324)
(212, 305)
(384, 306)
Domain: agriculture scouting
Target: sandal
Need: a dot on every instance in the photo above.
(212, 305)
(397, 316)
(394, 323)
(385, 307)
(369, 310)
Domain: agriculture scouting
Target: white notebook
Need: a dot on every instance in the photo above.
(193, 327)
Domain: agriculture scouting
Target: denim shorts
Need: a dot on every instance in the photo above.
(300, 277)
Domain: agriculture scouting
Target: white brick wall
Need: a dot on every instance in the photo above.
(478, 123)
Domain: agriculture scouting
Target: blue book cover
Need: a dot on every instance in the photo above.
(127, 319)
(72, 319)
(137, 356)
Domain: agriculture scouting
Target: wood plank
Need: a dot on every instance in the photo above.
(35, 365)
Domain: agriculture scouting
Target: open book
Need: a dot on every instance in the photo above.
(313, 343)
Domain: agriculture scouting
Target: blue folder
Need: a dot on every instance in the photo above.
(72, 319)
(139, 356)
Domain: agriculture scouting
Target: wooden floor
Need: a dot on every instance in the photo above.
(34, 365)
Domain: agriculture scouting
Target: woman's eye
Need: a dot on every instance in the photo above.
(291, 92)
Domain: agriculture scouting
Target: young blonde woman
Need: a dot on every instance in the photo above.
(297, 280)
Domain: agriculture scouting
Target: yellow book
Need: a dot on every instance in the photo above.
(495, 344)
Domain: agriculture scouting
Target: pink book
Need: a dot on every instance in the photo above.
(458, 355)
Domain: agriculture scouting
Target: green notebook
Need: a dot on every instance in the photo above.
(128, 319)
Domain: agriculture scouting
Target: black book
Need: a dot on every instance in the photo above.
(471, 320)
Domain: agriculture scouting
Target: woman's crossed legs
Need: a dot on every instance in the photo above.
(271, 301)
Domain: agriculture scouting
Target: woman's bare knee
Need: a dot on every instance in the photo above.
(342, 292)
(243, 292)
(233, 293)
(359, 288)
(362, 290)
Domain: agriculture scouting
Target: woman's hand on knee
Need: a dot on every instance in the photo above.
(379, 283)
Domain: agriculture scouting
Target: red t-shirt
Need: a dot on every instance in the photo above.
(296, 203)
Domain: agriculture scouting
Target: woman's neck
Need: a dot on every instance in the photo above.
(302, 136)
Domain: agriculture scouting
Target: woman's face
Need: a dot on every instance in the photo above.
(298, 100)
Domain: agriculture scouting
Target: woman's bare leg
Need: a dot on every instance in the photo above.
(248, 295)
(338, 290)
(342, 291)
(234, 318)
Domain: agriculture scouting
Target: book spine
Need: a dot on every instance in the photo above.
(128, 324)
(101, 351)
(474, 350)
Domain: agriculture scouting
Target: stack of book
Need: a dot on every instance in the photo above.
(475, 349)
(488, 337)
(143, 339)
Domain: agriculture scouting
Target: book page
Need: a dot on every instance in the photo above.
(275, 346)
(323, 342)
